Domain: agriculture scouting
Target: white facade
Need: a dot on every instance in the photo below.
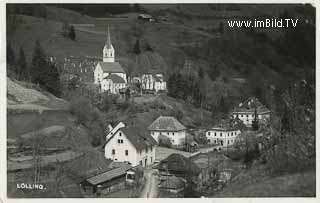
(109, 85)
(108, 50)
(112, 130)
(176, 137)
(119, 148)
(248, 117)
(222, 136)
(154, 83)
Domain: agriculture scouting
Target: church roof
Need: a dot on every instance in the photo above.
(108, 42)
(111, 67)
(115, 78)
(166, 123)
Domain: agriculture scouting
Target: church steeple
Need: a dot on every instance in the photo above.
(108, 50)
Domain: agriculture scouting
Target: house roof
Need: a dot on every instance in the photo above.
(250, 105)
(173, 183)
(115, 78)
(108, 175)
(179, 163)
(111, 67)
(166, 123)
(139, 137)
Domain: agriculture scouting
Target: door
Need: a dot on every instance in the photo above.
(145, 162)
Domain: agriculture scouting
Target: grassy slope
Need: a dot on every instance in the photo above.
(288, 185)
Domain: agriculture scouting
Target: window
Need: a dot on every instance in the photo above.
(121, 141)
(127, 152)
(120, 134)
(168, 133)
(113, 152)
(208, 133)
(247, 115)
(220, 134)
(215, 134)
(228, 141)
(172, 133)
(150, 159)
(232, 133)
(118, 141)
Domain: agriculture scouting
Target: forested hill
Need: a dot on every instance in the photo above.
(232, 64)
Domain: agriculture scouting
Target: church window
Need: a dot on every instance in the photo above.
(127, 152)
(113, 152)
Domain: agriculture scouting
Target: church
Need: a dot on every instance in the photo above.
(109, 74)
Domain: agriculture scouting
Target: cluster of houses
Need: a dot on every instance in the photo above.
(136, 147)
(111, 77)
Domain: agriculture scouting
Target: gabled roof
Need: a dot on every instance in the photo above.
(108, 175)
(250, 105)
(115, 78)
(111, 67)
(180, 164)
(139, 138)
(166, 123)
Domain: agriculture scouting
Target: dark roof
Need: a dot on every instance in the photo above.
(179, 163)
(140, 138)
(108, 43)
(250, 105)
(108, 175)
(166, 123)
(172, 183)
(115, 78)
(111, 67)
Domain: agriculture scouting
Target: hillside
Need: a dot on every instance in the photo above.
(254, 183)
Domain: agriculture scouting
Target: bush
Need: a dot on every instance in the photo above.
(164, 141)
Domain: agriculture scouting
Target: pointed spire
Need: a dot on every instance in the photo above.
(108, 44)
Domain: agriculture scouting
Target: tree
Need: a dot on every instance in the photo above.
(23, 73)
(221, 28)
(72, 33)
(136, 48)
(38, 65)
(10, 55)
(255, 122)
(53, 80)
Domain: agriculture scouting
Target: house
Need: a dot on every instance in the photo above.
(132, 145)
(246, 111)
(153, 82)
(170, 127)
(223, 135)
(106, 182)
(109, 74)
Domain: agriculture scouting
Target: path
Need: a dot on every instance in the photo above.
(150, 189)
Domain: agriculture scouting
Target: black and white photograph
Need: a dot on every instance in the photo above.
(160, 100)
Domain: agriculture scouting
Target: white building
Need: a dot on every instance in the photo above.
(246, 111)
(153, 82)
(170, 127)
(110, 70)
(129, 144)
(223, 136)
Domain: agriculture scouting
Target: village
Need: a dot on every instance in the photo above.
(120, 130)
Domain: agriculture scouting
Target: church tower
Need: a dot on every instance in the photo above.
(108, 50)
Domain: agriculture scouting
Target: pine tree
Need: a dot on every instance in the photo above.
(10, 55)
(255, 122)
(136, 48)
(22, 67)
(52, 79)
(72, 33)
(39, 65)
